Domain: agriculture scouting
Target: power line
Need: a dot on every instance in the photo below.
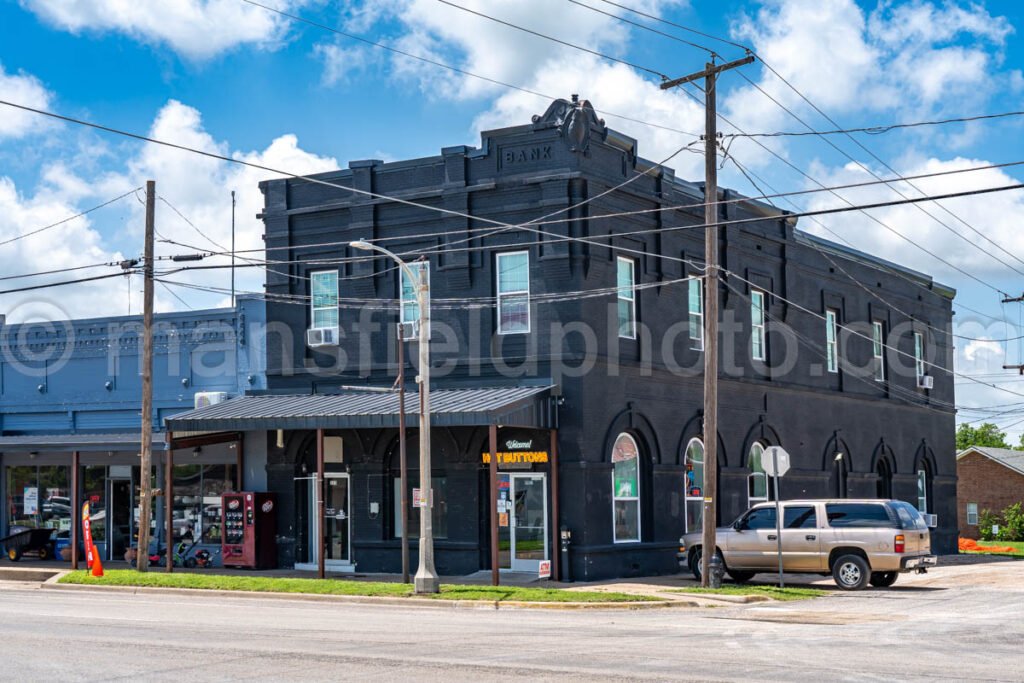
(559, 41)
(182, 217)
(875, 130)
(66, 282)
(66, 220)
(844, 153)
(455, 69)
(57, 270)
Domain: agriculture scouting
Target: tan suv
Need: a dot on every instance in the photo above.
(856, 541)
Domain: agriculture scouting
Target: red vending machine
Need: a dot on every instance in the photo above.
(250, 530)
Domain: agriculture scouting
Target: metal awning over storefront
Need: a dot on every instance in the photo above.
(355, 409)
(48, 443)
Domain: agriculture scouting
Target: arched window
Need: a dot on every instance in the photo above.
(924, 486)
(884, 471)
(839, 471)
(626, 489)
(694, 485)
(760, 487)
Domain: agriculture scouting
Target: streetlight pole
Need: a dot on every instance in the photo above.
(426, 579)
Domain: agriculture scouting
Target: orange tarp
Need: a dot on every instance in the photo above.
(970, 545)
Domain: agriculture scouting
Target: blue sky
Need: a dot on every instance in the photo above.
(227, 76)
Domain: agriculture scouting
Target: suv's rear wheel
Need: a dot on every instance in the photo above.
(883, 579)
(851, 572)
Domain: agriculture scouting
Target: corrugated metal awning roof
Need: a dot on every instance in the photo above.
(127, 441)
(515, 406)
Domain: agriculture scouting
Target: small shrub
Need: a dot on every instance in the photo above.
(986, 520)
(1013, 523)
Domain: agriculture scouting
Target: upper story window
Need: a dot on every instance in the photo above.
(513, 279)
(626, 283)
(757, 340)
(919, 355)
(831, 341)
(323, 285)
(696, 306)
(878, 349)
(410, 310)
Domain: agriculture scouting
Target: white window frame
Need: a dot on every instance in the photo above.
(768, 483)
(972, 513)
(686, 489)
(312, 300)
(635, 499)
(878, 349)
(832, 340)
(757, 326)
(922, 491)
(416, 267)
(626, 294)
(517, 293)
(696, 317)
(919, 354)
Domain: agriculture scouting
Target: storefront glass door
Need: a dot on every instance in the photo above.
(337, 513)
(522, 521)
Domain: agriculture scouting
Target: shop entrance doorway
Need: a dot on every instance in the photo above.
(337, 524)
(522, 521)
(121, 526)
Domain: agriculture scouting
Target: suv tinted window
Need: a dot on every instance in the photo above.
(799, 517)
(761, 518)
(858, 515)
(910, 518)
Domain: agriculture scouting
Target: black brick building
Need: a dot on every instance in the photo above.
(608, 344)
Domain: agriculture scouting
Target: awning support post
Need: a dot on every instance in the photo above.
(321, 509)
(493, 440)
(240, 461)
(169, 503)
(555, 536)
(76, 504)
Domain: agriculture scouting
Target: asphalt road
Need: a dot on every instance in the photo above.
(933, 629)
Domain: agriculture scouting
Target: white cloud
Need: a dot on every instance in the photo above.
(26, 89)
(995, 215)
(197, 29)
(199, 187)
(977, 350)
(339, 63)
(909, 60)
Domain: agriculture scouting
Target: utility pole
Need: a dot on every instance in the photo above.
(232, 248)
(145, 471)
(711, 246)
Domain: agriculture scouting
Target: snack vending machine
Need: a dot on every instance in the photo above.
(249, 530)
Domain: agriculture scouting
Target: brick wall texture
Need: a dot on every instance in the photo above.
(986, 482)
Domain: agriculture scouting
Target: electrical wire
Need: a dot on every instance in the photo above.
(455, 69)
(66, 282)
(852, 159)
(560, 41)
(876, 130)
(67, 220)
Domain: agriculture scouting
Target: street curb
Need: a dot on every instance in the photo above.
(371, 600)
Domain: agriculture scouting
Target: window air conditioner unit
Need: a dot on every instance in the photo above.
(931, 520)
(409, 331)
(925, 382)
(204, 399)
(322, 336)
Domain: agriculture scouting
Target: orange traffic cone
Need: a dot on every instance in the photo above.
(97, 563)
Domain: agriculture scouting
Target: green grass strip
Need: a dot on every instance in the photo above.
(773, 592)
(268, 584)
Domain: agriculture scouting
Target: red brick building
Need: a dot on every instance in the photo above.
(987, 479)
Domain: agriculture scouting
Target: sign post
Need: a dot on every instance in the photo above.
(776, 465)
